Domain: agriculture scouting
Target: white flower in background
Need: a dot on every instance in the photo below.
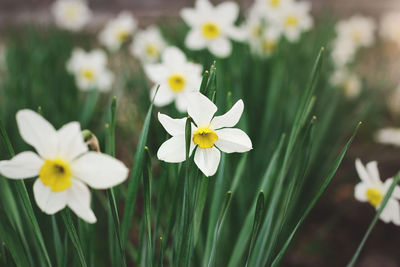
(90, 70)
(343, 52)
(148, 45)
(349, 82)
(269, 41)
(371, 189)
(118, 31)
(271, 8)
(209, 136)
(63, 164)
(388, 136)
(176, 76)
(212, 27)
(71, 15)
(358, 29)
(294, 19)
(389, 27)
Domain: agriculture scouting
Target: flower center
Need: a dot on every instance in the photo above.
(274, 3)
(356, 36)
(257, 31)
(374, 196)
(204, 137)
(176, 82)
(291, 21)
(123, 35)
(56, 174)
(268, 46)
(151, 50)
(71, 12)
(210, 30)
(88, 74)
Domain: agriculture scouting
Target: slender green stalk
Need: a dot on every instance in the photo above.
(147, 204)
(375, 220)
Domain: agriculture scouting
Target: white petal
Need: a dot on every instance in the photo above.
(155, 72)
(173, 150)
(233, 140)
(181, 103)
(237, 34)
(172, 126)
(391, 212)
(79, 201)
(229, 11)
(190, 16)
(207, 160)
(99, 170)
(372, 169)
(164, 95)
(204, 6)
(23, 165)
(37, 132)
(229, 119)
(173, 56)
(362, 172)
(201, 109)
(70, 141)
(48, 201)
(221, 47)
(360, 192)
(396, 192)
(195, 40)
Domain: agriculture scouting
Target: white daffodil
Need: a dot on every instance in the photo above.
(271, 8)
(176, 77)
(210, 134)
(148, 45)
(358, 29)
(64, 166)
(349, 82)
(118, 31)
(371, 189)
(294, 19)
(343, 52)
(90, 70)
(71, 15)
(212, 27)
(389, 27)
(388, 136)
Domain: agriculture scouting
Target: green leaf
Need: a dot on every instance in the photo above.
(147, 203)
(134, 179)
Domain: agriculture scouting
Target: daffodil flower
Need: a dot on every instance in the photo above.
(360, 30)
(176, 77)
(209, 134)
(371, 189)
(348, 81)
(71, 15)
(148, 45)
(64, 166)
(388, 136)
(212, 27)
(90, 70)
(118, 31)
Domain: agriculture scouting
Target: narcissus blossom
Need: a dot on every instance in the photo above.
(71, 15)
(347, 81)
(209, 134)
(64, 166)
(118, 31)
(389, 27)
(148, 45)
(358, 29)
(371, 189)
(294, 19)
(90, 70)
(176, 77)
(388, 136)
(212, 27)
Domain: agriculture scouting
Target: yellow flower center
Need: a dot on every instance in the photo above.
(88, 74)
(152, 50)
(268, 46)
(71, 12)
(274, 3)
(123, 35)
(257, 31)
(291, 21)
(56, 174)
(374, 196)
(176, 82)
(356, 36)
(210, 30)
(204, 137)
